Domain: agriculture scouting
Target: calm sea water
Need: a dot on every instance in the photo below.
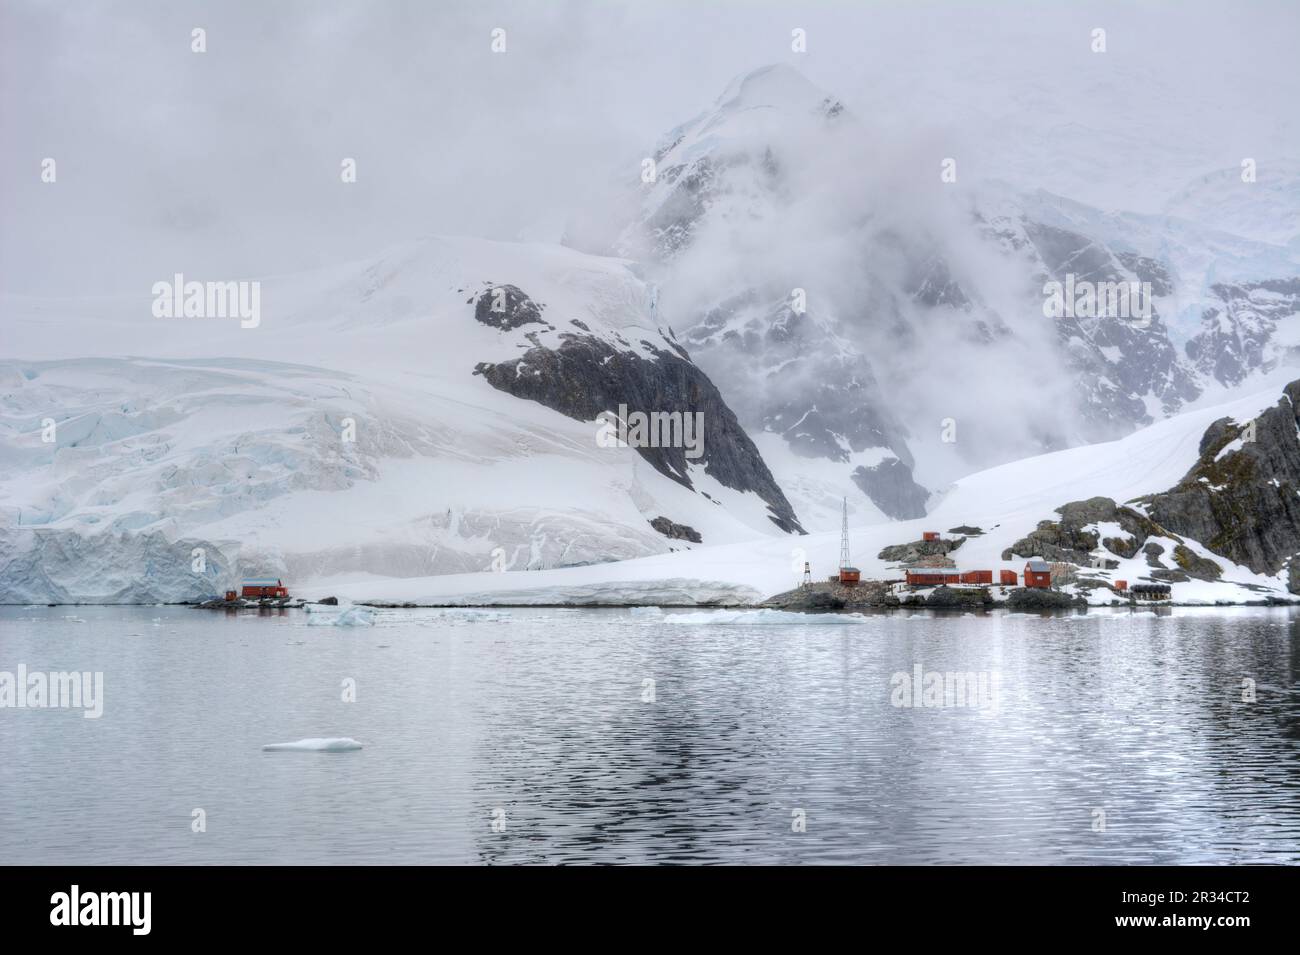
(542, 722)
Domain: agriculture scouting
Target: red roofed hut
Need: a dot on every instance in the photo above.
(259, 587)
(1038, 574)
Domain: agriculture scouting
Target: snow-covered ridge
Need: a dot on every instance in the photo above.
(1007, 502)
(369, 446)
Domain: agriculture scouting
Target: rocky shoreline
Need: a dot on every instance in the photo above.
(832, 597)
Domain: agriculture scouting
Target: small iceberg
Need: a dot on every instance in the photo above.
(652, 613)
(763, 618)
(352, 617)
(332, 744)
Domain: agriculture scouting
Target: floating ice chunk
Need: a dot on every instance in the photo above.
(764, 618)
(352, 617)
(654, 613)
(331, 744)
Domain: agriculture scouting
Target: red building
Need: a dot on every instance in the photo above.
(1009, 578)
(1037, 573)
(850, 576)
(932, 576)
(977, 577)
(930, 536)
(264, 587)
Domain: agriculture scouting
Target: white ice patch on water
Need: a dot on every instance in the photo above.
(649, 613)
(763, 618)
(352, 617)
(314, 744)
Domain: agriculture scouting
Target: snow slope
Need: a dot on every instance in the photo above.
(1006, 501)
(345, 433)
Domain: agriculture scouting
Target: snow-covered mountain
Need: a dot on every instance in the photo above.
(893, 323)
(839, 310)
(397, 417)
(1124, 510)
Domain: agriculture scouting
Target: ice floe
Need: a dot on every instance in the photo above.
(351, 617)
(315, 744)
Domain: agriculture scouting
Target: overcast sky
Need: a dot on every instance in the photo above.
(227, 163)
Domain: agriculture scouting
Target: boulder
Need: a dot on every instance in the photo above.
(675, 531)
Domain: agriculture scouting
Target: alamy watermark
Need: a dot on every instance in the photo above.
(76, 907)
(656, 429)
(54, 690)
(923, 689)
(1080, 298)
(181, 299)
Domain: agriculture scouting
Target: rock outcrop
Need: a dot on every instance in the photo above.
(1033, 598)
(587, 375)
(890, 486)
(922, 553)
(829, 597)
(675, 531)
(1070, 541)
(1242, 497)
(507, 307)
(959, 598)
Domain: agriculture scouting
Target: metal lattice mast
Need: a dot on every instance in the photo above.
(844, 537)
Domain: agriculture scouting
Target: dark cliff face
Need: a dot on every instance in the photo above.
(890, 486)
(1237, 335)
(587, 375)
(1117, 361)
(1242, 501)
(790, 374)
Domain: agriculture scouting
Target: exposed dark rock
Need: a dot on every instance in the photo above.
(1117, 360)
(1153, 552)
(823, 597)
(1035, 598)
(1067, 541)
(329, 601)
(966, 531)
(957, 598)
(787, 372)
(1126, 547)
(586, 376)
(1094, 509)
(674, 531)
(1237, 333)
(1202, 568)
(1241, 502)
(890, 486)
(914, 551)
(1148, 270)
(1055, 541)
(506, 307)
(807, 600)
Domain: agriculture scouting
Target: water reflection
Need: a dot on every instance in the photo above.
(595, 736)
